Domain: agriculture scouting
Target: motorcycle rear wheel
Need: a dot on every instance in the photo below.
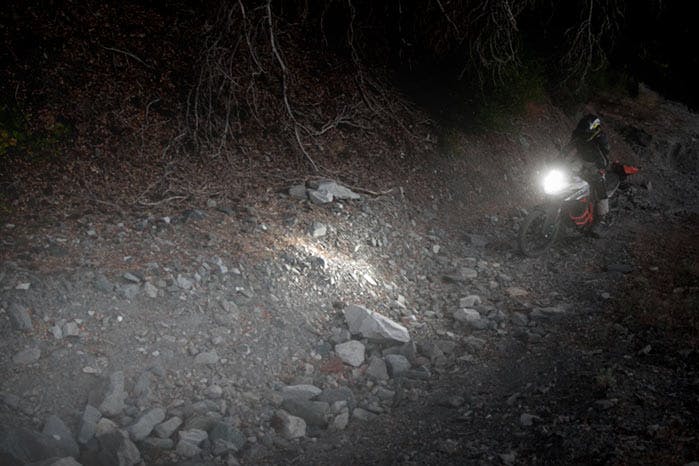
(537, 234)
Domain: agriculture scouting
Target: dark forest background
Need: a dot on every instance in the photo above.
(227, 70)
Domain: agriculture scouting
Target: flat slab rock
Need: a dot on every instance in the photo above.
(374, 326)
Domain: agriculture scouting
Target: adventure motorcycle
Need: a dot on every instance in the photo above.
(570, 201)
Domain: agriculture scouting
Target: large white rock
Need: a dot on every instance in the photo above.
(337, 191)
(374, 326)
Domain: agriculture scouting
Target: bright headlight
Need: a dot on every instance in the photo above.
(555, 181)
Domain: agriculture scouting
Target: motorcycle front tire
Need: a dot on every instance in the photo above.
(537, 233)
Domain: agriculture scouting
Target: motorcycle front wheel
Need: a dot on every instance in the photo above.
(538, 232)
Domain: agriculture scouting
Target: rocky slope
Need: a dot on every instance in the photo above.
(242, 331)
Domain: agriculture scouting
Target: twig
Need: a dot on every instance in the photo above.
(129, 54)
(370, 192)
(116, 207)
(163, 201)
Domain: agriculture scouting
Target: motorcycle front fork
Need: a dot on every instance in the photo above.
(553, 217)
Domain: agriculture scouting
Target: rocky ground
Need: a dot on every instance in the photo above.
(299, 327)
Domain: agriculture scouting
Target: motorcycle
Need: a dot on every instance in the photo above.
(570, 203)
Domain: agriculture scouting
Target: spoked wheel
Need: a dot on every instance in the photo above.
(538, 233)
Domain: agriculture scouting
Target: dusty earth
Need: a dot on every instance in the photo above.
(171, 336)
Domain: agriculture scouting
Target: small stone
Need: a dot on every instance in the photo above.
(167, 428)
(113, 403)
(146, 423)
(105, 426)
(128, 276)
(226, 438)
(184, 282)
(516, 292)
(363, 414)
(318, 229)
(71, 329)
(208, 358)
(397, 364)
(377, 369)
(158, 444)
(298, 192)
(341, 421)
(130, 291)
(57, 332)
(301, 392)
(351, 352)
(151, 290)
(470, 301)
(319, 197)
(23, 286)
(453, 401)
(103, 284)
(288, 426)
(56, 429)
(88, 424)
(313, 412)
(193, 436)
(20, 318)
(471, 318)
(188, 446)
(116, 445)
(508, 458)
(519, 319)
(27, 356)
(620, 268)
(187, 449)
(214, 392)
(67, 461)
(339, 394)
(527, 419)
